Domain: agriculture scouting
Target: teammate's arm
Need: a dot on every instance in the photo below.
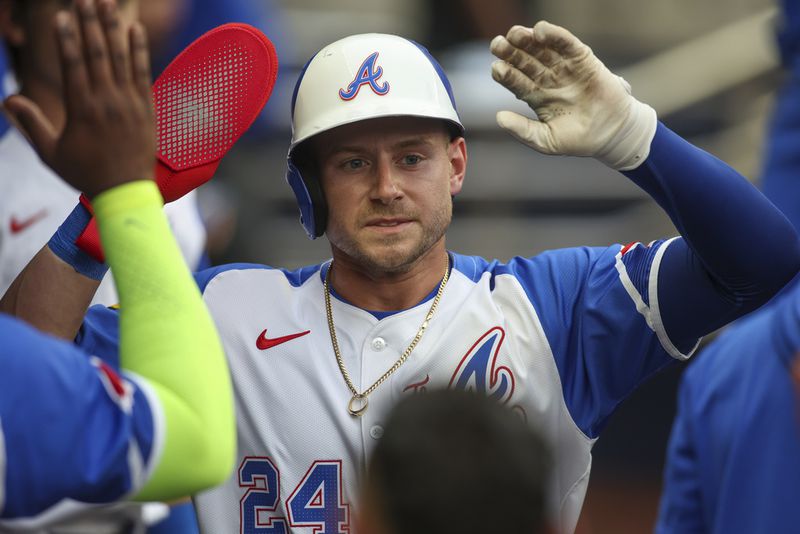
(30, 296)
(168, 338)
(737, 249)
(107, 150)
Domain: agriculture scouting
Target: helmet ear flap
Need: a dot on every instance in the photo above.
(310, 198)
(318, 203)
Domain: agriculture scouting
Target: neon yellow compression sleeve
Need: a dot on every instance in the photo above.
(168, 338)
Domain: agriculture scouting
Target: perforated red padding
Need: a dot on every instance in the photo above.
(204, 101)
(211, 94)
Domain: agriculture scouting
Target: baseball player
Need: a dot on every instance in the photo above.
(74, 430)
(320, 354)
(732, 461)
(416, 480)
(34, 200)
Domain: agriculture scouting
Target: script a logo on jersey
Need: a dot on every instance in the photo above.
(368, 74)
(479, 372)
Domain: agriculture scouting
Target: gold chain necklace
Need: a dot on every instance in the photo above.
(359, 402)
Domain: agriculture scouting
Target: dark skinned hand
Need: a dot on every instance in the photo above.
(109, 138)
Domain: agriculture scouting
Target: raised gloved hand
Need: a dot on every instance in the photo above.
(583, 109)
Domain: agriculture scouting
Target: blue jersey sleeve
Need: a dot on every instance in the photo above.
(99, 334)
(596, 308)
(71, 426)
(737, 250)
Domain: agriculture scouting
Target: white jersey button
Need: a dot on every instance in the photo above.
(378, 343)
(376, 432)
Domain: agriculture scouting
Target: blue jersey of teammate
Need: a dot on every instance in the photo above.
(70, 426)
(734, 453)
(733, 462)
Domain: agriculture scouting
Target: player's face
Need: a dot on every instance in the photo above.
(30, 31)
(389, 184)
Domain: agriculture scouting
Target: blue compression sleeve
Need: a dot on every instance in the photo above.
(737, 250)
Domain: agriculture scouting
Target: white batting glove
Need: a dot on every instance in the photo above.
(583, 109)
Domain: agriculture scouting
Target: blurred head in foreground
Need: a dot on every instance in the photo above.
(451, 461)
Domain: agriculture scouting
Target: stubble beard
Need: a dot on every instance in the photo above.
(389, 258)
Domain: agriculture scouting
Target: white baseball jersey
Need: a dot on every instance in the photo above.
(34, 202)
(562, 338)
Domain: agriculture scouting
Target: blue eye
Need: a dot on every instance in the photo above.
(354, 164)
(411, 159)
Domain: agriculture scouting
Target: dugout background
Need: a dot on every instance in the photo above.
(710, 70)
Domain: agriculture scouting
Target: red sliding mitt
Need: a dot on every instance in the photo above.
(204, 101)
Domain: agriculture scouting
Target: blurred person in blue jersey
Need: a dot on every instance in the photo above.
(733, 460)
(77, 431)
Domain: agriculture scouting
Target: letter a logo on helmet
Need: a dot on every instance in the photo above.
(324, 98)
(368, 74)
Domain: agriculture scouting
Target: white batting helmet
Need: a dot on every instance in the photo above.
(357, 78)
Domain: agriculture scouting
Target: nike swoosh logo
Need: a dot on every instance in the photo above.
(264, 343)
(18, 226)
